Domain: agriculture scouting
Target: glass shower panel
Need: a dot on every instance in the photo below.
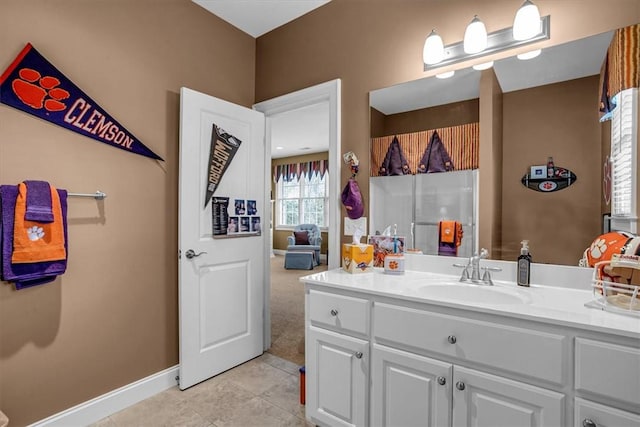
(392, 201)
(445, 196)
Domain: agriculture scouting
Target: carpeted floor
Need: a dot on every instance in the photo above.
(287, 310)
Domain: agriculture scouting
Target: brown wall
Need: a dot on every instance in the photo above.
(378, 43)
(280, 236)
(456, 113)
(112, 318)
(559, 120)
(491, 164)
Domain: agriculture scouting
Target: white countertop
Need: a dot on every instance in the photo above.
(548, 304)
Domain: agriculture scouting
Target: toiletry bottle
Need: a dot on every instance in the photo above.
(524, 264)
(550, 167)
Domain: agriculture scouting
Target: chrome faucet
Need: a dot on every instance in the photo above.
(474, 265)
(474, 261)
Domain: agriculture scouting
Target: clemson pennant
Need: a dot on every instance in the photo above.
(33, 85)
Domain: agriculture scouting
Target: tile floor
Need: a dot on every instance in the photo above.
(262, 392)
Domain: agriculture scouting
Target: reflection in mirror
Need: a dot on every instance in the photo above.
(549, 108)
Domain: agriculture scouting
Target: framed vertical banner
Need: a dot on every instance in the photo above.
(33, 85)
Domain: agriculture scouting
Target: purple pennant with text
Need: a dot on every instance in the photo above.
(32, 84)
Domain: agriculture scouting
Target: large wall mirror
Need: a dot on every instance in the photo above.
(549, 108)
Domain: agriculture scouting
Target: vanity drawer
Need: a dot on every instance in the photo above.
(608, 370)
(339, 312)
(527, 352)
(593, 414)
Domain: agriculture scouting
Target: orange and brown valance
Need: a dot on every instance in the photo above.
(621, 67)
(462, 143)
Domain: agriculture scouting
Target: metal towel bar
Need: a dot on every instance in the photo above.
(98, 195)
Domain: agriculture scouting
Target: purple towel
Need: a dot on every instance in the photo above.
(25, 275)
(38, 202)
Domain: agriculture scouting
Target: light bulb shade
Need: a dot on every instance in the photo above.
(445, 75)
(433, 51)
(527, 21)
(475, 36)
(483, 66)
(529, 55)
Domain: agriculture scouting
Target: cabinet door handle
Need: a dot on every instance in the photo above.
(442, 380)
(334, 312)
(359, 355)
(588, 423)
(460, 385)
(452, 339)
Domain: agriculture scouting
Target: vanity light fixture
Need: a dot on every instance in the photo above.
(527, 21)
(445, 75)
(529, 55)
(433, 51)
(497, 41)
(475, 36)
(483, 66)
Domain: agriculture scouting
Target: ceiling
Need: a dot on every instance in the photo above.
(301, 131)
(258, 17)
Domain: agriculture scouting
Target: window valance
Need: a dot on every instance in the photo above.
(621, 67)
(293, 171)
(461, 142)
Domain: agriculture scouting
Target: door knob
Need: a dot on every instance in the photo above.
(442, 380)
(359, 355)
(460, 385)
(452, 339)
(191, 254)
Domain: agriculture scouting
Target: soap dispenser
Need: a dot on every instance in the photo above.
(524, 264)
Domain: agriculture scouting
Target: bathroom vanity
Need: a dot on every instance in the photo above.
(424, 349)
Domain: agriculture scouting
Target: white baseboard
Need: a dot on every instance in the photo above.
(116, 400)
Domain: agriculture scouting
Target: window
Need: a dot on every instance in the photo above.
(624, 161)
(302, 200)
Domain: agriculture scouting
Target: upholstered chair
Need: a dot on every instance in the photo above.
(305, 238)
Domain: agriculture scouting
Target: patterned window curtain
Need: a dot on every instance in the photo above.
(293, 171)
(461, 142)
(621, 67)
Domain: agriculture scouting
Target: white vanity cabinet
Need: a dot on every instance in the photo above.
(408, 389)
(378, 355)
(337, 359)
(472, 396)
(606, 374)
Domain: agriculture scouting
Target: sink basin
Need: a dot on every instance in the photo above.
(474, 294)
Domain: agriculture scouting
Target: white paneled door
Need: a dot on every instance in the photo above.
(221, 280)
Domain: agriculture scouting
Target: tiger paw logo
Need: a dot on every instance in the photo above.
(598, 248)
(39, 92)
(35, 233)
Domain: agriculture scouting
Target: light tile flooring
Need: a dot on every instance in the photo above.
(262, 392)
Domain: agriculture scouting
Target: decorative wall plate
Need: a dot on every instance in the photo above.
(561, 179)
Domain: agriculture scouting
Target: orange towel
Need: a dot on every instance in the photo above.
(37, 241)
(451, 232)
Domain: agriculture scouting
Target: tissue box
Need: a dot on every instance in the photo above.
(357, 258)
(394, 264)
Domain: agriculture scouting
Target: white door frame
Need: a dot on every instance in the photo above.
(324, 92)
